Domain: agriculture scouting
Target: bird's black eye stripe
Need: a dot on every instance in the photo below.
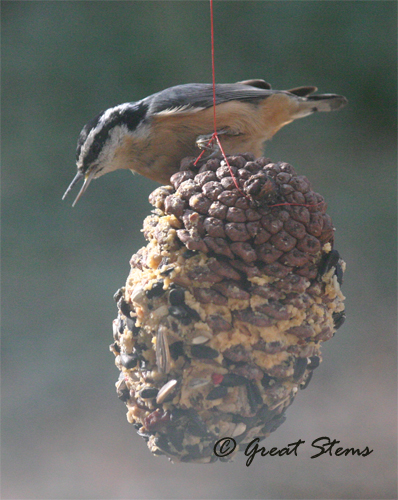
(131, 117)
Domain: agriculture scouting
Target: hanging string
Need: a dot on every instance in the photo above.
(214, 137)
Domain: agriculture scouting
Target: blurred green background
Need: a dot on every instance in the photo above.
(64, 432)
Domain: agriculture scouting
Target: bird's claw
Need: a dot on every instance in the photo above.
(207, 142)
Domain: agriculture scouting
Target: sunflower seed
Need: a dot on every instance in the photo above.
(200, 340)
(239, 429)
(137, 296)
(160, 312)
(166, 391)
(162, 350)
(198, 382)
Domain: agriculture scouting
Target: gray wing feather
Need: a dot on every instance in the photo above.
(200, 95)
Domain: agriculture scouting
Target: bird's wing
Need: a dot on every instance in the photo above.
(197, 96)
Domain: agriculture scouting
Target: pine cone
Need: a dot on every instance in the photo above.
(223, 313)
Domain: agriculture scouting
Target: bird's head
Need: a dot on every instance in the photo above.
(102, 141)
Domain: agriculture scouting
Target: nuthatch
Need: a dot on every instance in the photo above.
(151, 136)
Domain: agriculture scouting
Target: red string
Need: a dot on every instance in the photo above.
(215, 137)
(213, 70)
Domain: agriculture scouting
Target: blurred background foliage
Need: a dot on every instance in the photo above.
(64, 432)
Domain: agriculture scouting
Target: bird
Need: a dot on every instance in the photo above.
(151, 136)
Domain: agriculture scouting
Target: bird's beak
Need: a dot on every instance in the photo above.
(87, 179)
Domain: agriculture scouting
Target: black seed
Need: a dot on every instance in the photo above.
(130, 323)
(178, 413)
(274, 423)
(304, 385)
(128, 361)
(156, 290)
(144, 364)
(204, 352)
(328, 261)
(193, 450)
(266, 381)
(158, 452)
(218, 392)
(314, 362)
(139, 348)
(177, 297)
(124, 307)
(195, 425)
(338, 319)
(184, 314)
(232, 380)
(118, 294)
(176, 436)
(249, 421)
(162, 443)
(123, 393)
(265, 414)
(253, 395)
(189, 253)
(115, 347)
(148, 393)
(339, 273)
(167, 271)
(300, 367)
(194, 314)
(121, 325)
(176, 349)
(181, 314)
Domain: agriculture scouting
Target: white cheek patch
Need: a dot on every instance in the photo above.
(105, 117)
(114, 142)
